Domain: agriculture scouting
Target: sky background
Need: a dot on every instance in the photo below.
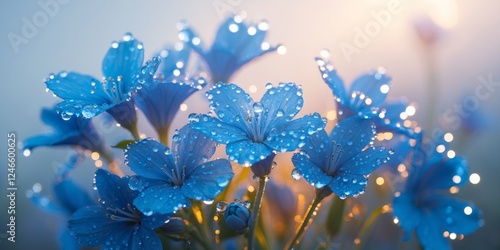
(74, 35)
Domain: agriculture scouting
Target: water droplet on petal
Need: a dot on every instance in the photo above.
(257, 107)
(296, 174)
(221, 206)
(280, 113)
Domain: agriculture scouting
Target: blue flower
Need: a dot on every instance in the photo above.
(69, 197)
(115, 223)
(86, 96)
(340, 161)
(255, 130)
(168, 178)
(235, 45)
(174, 61)
(366, 95)
(73, 132)
(160, 101)
(237, 217)
(423, 206)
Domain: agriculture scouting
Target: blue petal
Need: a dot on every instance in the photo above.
(352, 134)
(124, 113)
(151, 159)
(441, 175)
(311, 172)
(246, 152)
(333, 80)
(281, 104)
(216, 130)
(144, 238)
(160, 101)
(172, 58)
(407, 212)
(113, 190)
(294, 134)
(76, 131)
(365, 162)
(389, 118)
(191, 38)
(455, 216)
(123, 59)
(243, 46)
(91, 226)
(191, 148)
(155, 220)
(67, 241)
(208, 180)
(71, 196)
(317, 148)
(430, 234)
(374, 85)
(43, 202)
(231, 104)
(163, 199)
(231, 49)
(346, 184)
(76, 86)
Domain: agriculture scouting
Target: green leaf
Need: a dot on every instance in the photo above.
(123, 144)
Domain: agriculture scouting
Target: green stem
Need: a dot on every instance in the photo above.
(335, 216)
(163, 135)
(368, 224)
(195, 228)
(135, 132)
(256, 210)
(305, 221)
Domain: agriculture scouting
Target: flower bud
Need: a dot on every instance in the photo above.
(238, 217)
(174, 225)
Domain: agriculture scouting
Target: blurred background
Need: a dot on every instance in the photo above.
(459, 39)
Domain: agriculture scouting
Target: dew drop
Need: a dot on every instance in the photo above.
(65, 116)
(167, 151)
(127, 37)
(209, 202)
(221, 206)
(296, 174)
(280, 113)
(193, 118)
(89, 111)
(257, 107)
(222, 181)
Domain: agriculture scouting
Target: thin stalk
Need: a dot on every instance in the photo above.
(305, 221)
(367, 225)
(135, 132)
(256, 210)
(163, 135)
(195, 227)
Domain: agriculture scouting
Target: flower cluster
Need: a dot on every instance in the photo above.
(178, 193)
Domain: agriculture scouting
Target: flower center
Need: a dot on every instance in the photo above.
(333, 160)
(125, 214)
